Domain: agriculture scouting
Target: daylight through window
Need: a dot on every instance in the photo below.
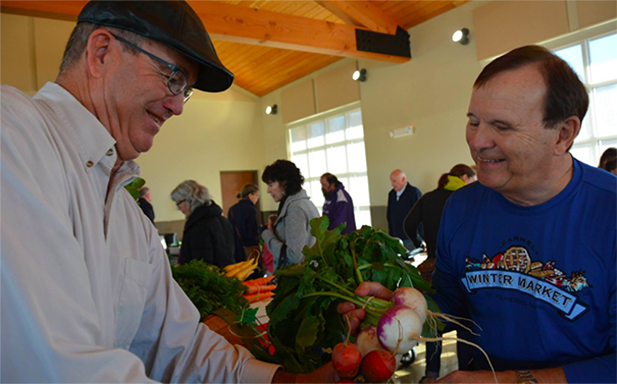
(335, 144)
(595, 62)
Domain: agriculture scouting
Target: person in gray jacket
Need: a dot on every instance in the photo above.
(290, 232)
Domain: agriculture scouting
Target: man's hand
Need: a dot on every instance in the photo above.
(325, 374)
(355, 315)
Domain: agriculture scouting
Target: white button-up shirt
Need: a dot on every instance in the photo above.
(86, 287)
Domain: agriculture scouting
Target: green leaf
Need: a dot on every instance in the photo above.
(134, 186)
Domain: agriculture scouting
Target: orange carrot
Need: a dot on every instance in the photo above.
(258, 296)
(259, 288)
(260, 281)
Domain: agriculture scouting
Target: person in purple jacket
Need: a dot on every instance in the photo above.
(338, 205)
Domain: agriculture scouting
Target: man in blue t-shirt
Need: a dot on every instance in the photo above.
(338, 205)
(529, 252)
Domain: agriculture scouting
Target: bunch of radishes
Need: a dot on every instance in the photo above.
(374, 352)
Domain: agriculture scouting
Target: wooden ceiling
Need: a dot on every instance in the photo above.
(268, 44)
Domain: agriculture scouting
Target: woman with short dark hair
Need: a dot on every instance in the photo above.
(291, 231)
(208, 236)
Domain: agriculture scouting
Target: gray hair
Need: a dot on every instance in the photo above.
(143, 191)
(193, 194)
(78, 41)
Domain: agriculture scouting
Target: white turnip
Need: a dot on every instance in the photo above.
(399, 327)
(412, 298)
(367, 340)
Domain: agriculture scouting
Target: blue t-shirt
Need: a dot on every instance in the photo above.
(539, 281)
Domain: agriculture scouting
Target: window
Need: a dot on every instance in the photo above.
(333, 143)
(595, 62)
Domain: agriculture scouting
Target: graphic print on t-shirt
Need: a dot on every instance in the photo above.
(515, 270)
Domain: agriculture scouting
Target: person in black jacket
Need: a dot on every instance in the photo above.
(427, 211)
(208, 236)
(243, 217)
(401, 199)
(145, 200)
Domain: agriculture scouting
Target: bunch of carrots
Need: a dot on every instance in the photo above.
(259, 289)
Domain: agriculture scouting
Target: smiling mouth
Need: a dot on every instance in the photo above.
(156, 119)
(489, 160)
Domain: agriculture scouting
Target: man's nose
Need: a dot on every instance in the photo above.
(174, 104)
(480, 138)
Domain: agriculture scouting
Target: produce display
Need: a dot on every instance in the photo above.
(304, 327)
(241, 270)
(259, 289)
(209, 289)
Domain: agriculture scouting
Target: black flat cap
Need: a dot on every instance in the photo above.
(173, 23)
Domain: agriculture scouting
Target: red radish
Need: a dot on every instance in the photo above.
(399, 327)
(378, 366)
(346, 358)
(367, 340)
(412, 298)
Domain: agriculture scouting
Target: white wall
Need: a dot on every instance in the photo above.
(430, 92)
(215, 133)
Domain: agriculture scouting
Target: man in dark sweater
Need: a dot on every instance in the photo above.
(401, 199)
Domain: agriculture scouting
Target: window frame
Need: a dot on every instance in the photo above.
(325, 117)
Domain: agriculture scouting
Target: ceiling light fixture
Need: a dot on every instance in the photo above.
(461, 36)
(359, 75)
(271, 109)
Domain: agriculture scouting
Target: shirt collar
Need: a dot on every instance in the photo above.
(94, 143)
(399, 193)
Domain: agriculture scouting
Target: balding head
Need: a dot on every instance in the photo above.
(398, 179)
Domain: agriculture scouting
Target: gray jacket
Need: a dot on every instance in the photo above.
(292, 229)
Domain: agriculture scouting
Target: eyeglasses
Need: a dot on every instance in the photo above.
(180, 202)
(178, 81)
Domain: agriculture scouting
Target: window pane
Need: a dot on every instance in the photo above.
(603, 58)
(317, 161)
(355, 130)
(314, 191)
(297, 138)
(337, 160)
(584, 153)
(336, 129)
(301, 161)
(585, 132)
(363, 217)
(345, 182)
(356, 157)
(358, 189)
(574, 56)
(605, 106)
(316, 134)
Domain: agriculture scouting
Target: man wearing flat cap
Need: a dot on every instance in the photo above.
(86, 289)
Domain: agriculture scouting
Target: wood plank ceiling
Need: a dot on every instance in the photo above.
(268, 44)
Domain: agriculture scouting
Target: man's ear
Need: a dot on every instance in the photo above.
(568, 130)
(98, 51)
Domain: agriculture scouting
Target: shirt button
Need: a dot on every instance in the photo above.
(89, 164)
(110, 152)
